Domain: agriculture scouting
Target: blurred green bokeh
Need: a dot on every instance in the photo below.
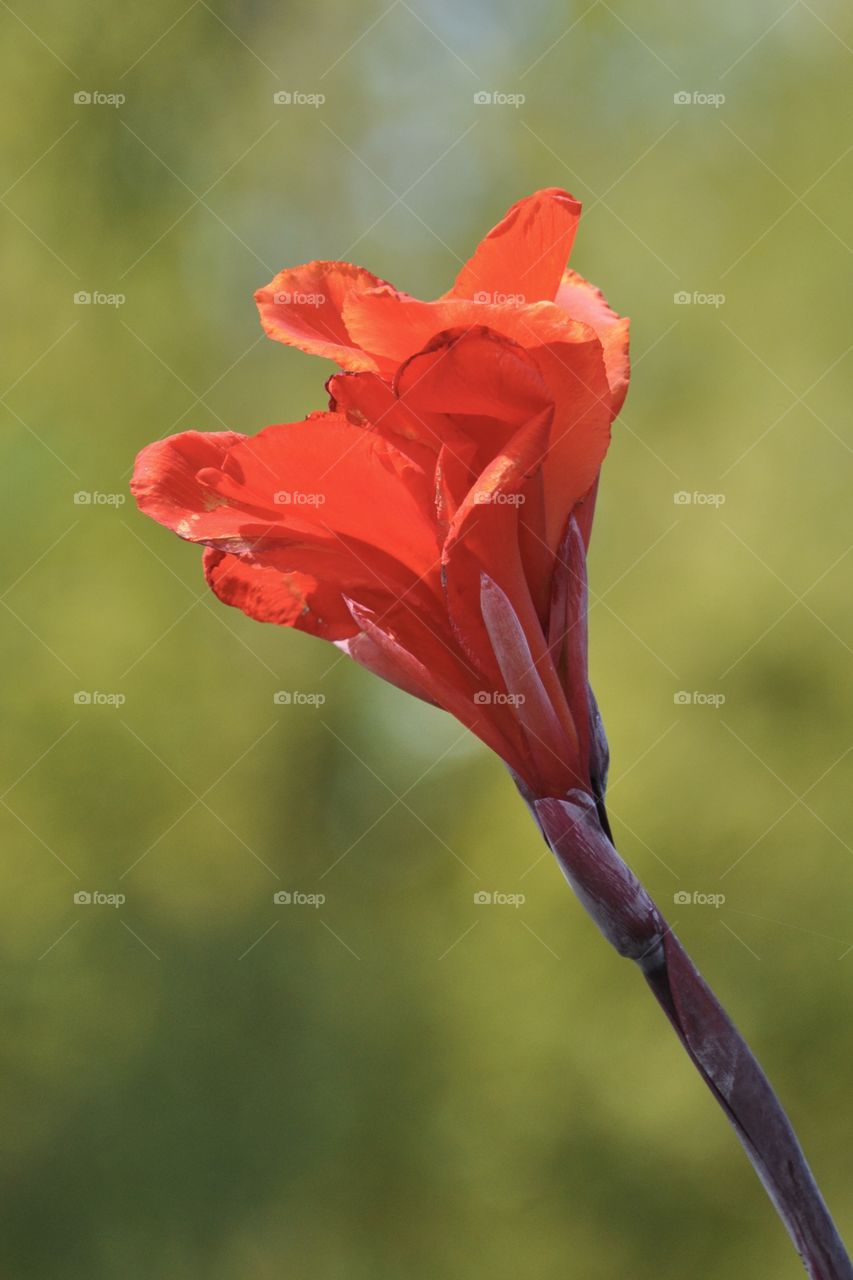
(402, 1083)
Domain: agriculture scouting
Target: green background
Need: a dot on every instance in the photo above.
(401, 1083)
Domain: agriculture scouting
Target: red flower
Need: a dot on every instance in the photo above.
(434, 522)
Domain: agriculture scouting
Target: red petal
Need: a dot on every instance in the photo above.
(454, 476)
(417, 660)
(369, 401)
(485, 536)
(487, 383)
(267, 594)
(473, 371)
(582, 301)
(568, 639)
(165, 480)
(526, 253)
(536, 556)
(394, 326)
(552, 739)
(581, 432)
(490, 383)
(584, 512)
(341, 482)
(303, 307)
(320, 577)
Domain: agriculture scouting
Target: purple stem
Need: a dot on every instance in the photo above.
(629, 919)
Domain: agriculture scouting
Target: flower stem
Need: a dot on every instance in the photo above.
(629, 919)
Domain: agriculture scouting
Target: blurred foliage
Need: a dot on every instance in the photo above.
(402, 1083)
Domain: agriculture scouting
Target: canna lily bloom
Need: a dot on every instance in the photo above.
(433, 523)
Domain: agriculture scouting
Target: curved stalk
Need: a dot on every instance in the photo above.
(631, 922)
